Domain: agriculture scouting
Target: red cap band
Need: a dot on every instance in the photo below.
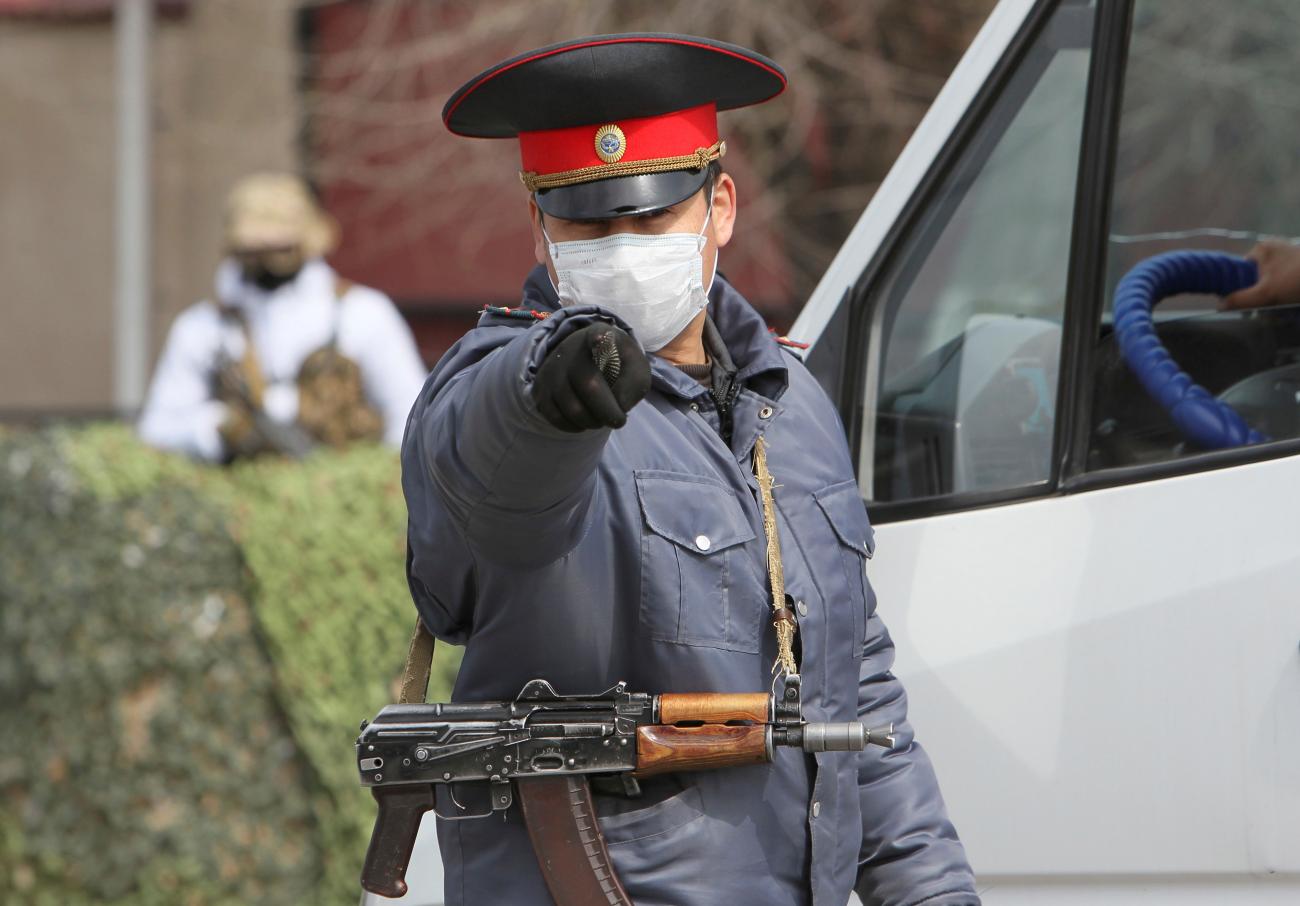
(644, 138)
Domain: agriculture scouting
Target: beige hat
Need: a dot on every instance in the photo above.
(275, 210)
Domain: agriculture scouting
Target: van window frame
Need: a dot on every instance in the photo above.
(1086, 299)
(1102, 107)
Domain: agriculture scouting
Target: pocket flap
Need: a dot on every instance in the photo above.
(846, 513)
(692, 512)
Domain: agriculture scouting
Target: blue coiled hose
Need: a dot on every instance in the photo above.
(1210, 423)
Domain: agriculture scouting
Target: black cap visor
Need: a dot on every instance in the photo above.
(607, 78)
(621, 196)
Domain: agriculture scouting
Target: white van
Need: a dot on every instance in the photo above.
(1097, 621)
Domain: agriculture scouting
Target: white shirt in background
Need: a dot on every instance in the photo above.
(287, 325)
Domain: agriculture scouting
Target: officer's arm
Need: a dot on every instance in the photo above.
(910, 852)
(180, 413)
(519, 486)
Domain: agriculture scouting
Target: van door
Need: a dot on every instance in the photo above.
(1097, 621)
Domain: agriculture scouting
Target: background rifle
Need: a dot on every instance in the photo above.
(240, 384)
(257, 432)
(549, 743)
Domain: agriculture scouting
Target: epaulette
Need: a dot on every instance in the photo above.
(530, 314)
(786, 341)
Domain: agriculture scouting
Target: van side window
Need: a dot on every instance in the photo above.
(965, 332)
(1208, 158)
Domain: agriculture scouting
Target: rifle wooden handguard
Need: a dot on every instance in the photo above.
(714, 707)
(662, 749)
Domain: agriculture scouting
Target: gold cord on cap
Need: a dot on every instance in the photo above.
(702, 157)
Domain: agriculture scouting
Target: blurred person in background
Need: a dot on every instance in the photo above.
(288, 355)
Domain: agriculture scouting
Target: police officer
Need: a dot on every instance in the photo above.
(583, 504)
(288, 354)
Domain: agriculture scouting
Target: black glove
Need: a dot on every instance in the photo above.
(592, 379)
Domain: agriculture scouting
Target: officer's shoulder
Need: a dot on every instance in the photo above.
(795, 348)
(507, 316)
(802, 381)
(510, 316)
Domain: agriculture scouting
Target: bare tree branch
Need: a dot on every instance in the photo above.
(861, 76)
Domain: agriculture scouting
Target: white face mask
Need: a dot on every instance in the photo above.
(654, 283)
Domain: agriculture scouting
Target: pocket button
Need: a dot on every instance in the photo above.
(703, 542)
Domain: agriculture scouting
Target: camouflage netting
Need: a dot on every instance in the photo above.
(185, 654)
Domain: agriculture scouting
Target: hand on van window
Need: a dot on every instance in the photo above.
(1279, 277)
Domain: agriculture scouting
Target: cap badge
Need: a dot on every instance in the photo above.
(611, 143)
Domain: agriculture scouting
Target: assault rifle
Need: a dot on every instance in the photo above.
(549, 743)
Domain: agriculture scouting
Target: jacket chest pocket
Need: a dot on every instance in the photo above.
(697, 577)
(844, 572)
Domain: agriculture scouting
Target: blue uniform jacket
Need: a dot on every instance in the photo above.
(639, 555)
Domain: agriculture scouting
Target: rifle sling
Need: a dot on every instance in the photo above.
(783, 619)
(419, 658)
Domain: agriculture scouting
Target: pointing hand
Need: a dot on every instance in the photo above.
(592, 379)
